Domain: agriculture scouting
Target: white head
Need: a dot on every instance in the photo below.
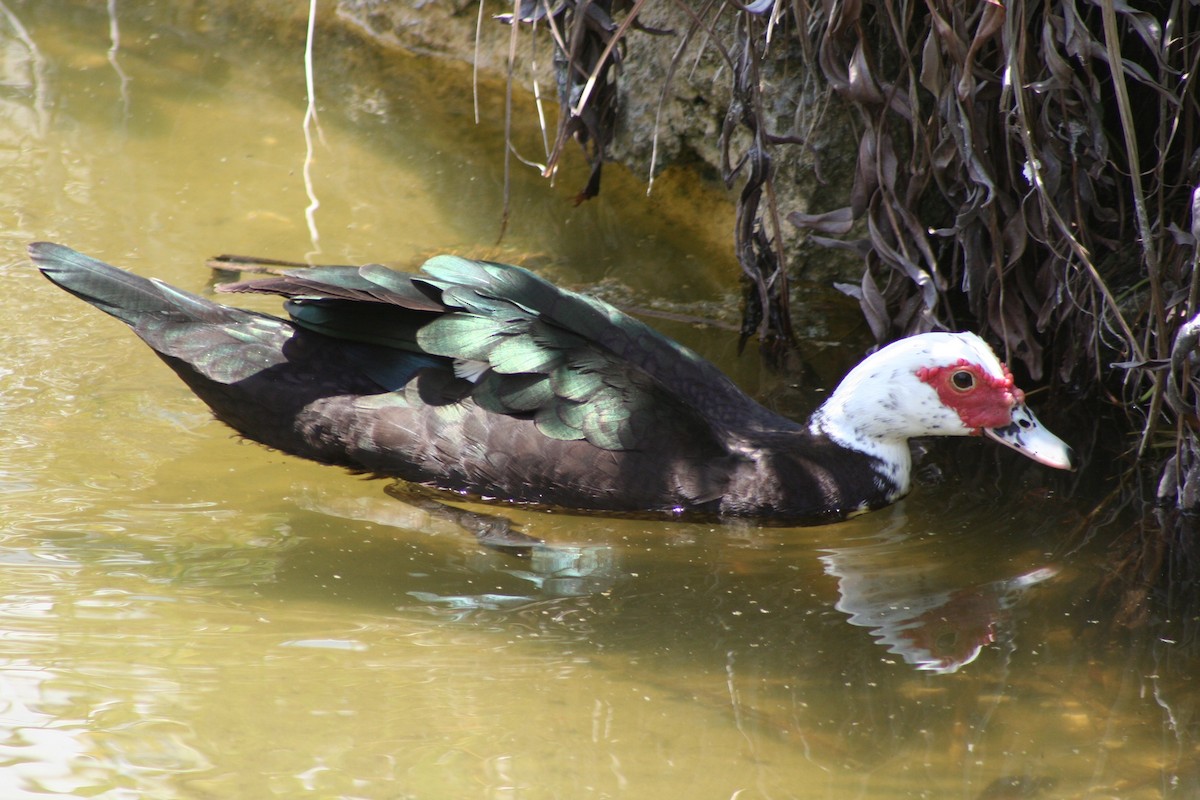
(933, 384)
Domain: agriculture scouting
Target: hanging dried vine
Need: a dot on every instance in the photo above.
(588, 47)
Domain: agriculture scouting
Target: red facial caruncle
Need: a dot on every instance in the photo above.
(980, 399)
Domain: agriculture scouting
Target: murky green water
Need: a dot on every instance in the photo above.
(183, 615)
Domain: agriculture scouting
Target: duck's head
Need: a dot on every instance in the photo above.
(935, 384)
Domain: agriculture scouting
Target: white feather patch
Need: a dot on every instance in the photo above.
(469, 370)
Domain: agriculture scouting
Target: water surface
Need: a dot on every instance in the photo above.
(185, 615)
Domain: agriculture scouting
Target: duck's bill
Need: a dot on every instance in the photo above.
(1026, 435)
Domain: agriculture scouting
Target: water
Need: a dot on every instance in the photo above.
(184, 615)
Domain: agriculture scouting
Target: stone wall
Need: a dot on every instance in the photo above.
(674, 98)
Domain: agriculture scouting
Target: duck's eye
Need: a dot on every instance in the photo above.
(963, 380)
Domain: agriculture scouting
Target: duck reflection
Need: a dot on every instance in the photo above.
(935, 599)
(543, 570)
(925, 610)
(571, 570)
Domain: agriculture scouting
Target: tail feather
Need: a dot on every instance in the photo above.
(206, 343)
(128, 297)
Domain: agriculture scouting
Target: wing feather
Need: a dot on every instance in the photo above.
(578, 367)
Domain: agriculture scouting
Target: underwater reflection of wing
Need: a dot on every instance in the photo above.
(925, 611)
(568, 570)
(550, 569)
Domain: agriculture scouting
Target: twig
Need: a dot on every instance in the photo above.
(537, 93)
(475, 62)
(310, 120)
(114, 35)
(696, 24)
(508, 102)
(1050, 211)
(1149, 250)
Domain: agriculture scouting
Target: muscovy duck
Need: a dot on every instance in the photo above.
(486, 380)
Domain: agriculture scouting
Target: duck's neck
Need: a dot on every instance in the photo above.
(869, 424)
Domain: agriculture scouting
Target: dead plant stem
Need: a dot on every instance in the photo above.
(586, 94)
(508, 104)
(310, 121)
(1149, 250)
(1047, 206)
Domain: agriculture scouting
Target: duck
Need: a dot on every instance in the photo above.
(485, 381)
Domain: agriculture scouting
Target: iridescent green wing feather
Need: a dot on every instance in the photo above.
(548, 357)
(477, 287)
